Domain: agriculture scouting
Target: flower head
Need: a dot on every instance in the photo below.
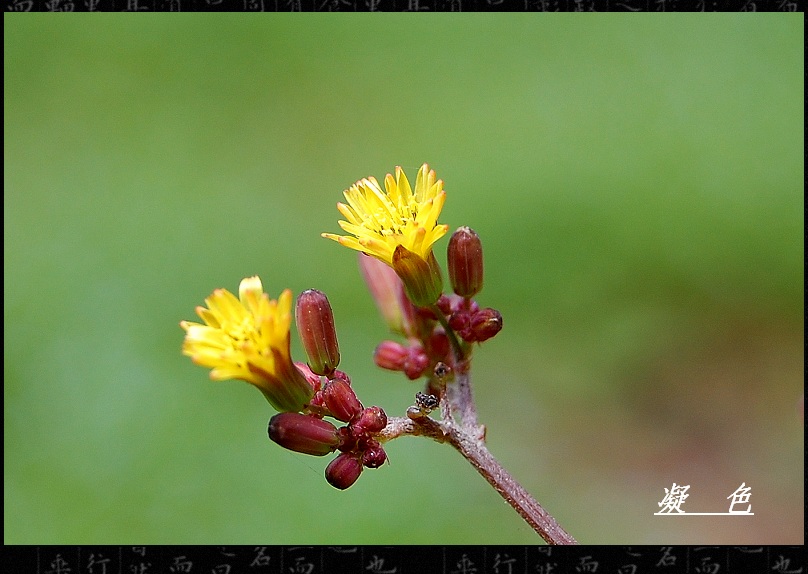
(247, 338)
(379, 221)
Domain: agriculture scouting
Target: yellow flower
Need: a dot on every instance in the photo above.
(381, 221)
(248, 339)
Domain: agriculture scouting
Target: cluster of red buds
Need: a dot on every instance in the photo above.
(472, 324)
(414, 359)
(427, 341)
(307, 432)
(428, 331)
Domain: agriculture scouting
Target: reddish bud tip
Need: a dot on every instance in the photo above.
(315, 324)
(342, 376)
(374, 456)
(371, 420)
(303, 433)
(347, 439)
(485, 324)
(396, 357)
(416, 363)
(390, 355)
(444, 304)
(341, 400)
(460, 322)
(343, 471)
(465, 259)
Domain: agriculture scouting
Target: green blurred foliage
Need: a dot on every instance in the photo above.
(638, 186)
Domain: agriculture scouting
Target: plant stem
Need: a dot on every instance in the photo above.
(514, 493)
(475, 451)
(463, 400)
(453, 340)
(459, 392)
(468, 438)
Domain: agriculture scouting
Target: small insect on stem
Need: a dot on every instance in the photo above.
(424, 404)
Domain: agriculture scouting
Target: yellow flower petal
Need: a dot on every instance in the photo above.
(378, 221)
(247, 338)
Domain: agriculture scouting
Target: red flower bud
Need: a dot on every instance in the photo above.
(390, 355)
(371, 420)
(485, 324)
(315, 324)
(374, 456)
(460, 322)
(465, 259)
(347, 439)
(316, 406)
(343, 471)
(444, 304)
(341, 400)
(303, 433)
(416, 363)
(342, 376)
(396, 357)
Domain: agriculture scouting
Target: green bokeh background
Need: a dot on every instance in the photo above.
(638, 185)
